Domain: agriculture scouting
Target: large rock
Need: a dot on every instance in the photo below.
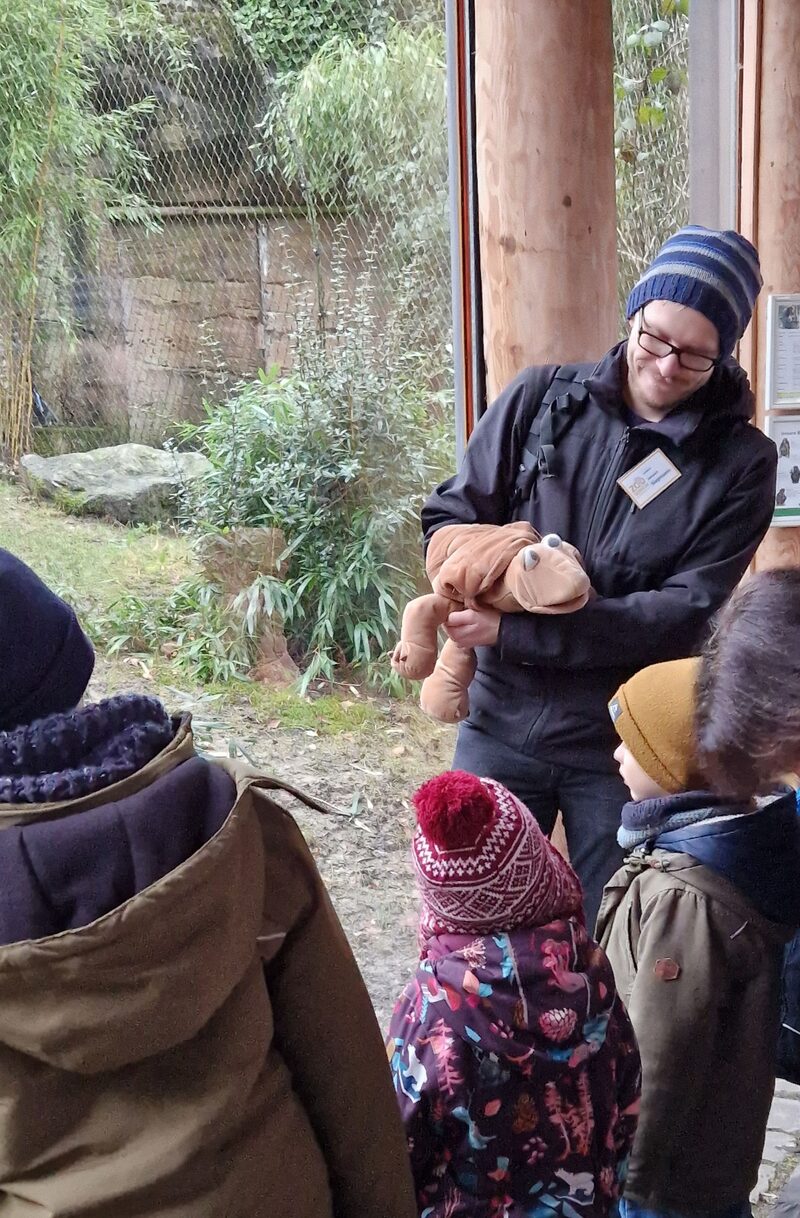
(131, 483)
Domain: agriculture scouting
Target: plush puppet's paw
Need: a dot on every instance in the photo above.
(439, 703)
(411, 661)
(445, 694)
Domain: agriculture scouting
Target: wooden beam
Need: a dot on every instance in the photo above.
(749, 110)
(546, 182)
(465, 261)
(770, 188)
(714, 80)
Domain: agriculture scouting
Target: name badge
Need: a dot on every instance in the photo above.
(649, 479)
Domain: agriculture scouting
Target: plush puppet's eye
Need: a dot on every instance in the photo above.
(529, 558)
(552, 540)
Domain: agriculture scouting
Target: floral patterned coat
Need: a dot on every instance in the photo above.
(517, 1075)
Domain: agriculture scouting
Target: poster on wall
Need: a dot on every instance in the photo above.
(783, 351)
(785, 431)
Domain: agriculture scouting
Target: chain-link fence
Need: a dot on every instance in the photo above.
(190, 184)
(224, 226)
(651, 76)
(195, 184)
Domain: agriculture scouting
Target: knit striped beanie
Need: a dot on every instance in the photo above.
(716, 273)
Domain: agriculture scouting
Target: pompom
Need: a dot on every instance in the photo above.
(454, 809)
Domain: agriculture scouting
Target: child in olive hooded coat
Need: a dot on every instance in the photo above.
(183, 1028)
(695, 924)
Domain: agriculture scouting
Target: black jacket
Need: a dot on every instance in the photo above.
(660, 573)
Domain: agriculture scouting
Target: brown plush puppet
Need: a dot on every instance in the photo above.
(506, 567)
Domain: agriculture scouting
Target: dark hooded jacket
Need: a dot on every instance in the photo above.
(659, 573)
(183, 1029)
(517, 1075)
(694, 925)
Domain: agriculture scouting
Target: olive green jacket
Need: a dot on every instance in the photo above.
(205, 1050)
(699, 970)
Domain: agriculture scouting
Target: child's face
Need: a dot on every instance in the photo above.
(640, 785)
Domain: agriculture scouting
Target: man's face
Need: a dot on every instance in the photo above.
(656, 384)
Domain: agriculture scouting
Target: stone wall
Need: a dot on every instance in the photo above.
(167, 314)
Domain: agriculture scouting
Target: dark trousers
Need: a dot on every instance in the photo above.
(590, 804)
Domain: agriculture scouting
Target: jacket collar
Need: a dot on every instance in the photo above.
(644, 820)
(688, 871)
(758, 853)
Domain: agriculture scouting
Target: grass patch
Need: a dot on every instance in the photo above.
(72, 503)
(327, 714)
(94, 565)
(90, 562)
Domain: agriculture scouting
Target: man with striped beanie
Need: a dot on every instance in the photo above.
(699, 292)
(648, 463)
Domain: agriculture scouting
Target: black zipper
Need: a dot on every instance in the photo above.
(605, 492)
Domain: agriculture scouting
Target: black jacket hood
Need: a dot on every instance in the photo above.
(759, 853)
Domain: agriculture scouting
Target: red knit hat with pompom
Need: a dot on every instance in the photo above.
(482, 862)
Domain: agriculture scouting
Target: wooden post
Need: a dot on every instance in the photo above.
(770, 189)
(545, 168)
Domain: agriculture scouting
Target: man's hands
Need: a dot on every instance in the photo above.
(473, 627)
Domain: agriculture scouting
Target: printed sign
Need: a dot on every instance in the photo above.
(783, 351)
(785, 431)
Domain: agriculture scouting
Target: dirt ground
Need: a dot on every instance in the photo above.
(367, 776)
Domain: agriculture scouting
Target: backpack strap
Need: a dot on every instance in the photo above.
(268, 782)
(562, 402)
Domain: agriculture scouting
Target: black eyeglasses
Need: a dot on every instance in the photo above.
(690, 360)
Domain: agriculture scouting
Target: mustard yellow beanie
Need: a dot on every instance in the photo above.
(654, 717)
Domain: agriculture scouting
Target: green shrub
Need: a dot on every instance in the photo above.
(207, 639)
(363, 124)
(360, 130)
(65, 167)
(338, 454)
(286, 33)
